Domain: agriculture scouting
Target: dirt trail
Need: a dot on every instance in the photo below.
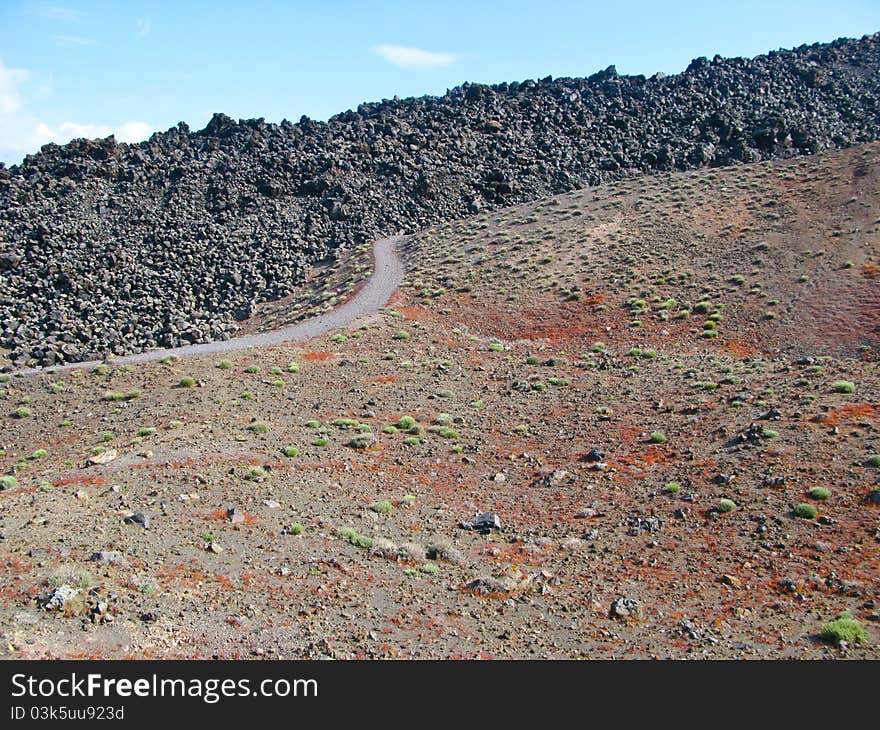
(387, 276)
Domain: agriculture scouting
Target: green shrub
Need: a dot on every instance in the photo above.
(252, 369)
(356, 539)
(806, 511)
(844, 386)
(412, 441)
(364, 441)
(296, 529)
(224, 365)
(658, 437)
(291, 452)
(259, 427)
(320, 441)
(39, 454)
(256, 472)
(383, 507)
(406, 423)
(21, 412)
(844, 629)
(874, 460)
(147, 431)
(820, 493)
(7, 481)
(672, 487)
(186, 382)
(726, 505)
(312, 424)
(293, 367)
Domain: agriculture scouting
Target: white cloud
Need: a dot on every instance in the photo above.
(22, 132)
(144, 26)
(10, 78)
(404, 57)
(75, 40)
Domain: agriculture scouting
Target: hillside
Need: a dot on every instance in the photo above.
(113, 248)
(665, 388)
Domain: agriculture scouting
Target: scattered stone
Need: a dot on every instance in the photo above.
(138, 518)
(483, 523)
(104, 457)
(58, 599)
(625, 609)
(108, 557)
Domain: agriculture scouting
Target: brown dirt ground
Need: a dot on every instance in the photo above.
(532, 335)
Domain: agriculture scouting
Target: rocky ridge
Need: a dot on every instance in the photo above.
(114, 248)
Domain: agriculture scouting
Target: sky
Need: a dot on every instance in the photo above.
(90, 68)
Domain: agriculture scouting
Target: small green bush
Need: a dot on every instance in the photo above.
(383, 507)
(658, 437)
(296, 529)
(259, 427)
(820, 493)
(355, 538)
(291, 452)
(406, 423)
(148, 431)
(224, 365)
(806, 511)
(21, 412)
(844, 629)
(844, 386)
(726, 505)
(874, 460)
(186, 382)
(7, 481)
(672, 487)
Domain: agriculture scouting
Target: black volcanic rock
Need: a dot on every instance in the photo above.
(108, 247)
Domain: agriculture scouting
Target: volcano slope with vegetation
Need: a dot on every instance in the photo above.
(110, 248)
(665, 390)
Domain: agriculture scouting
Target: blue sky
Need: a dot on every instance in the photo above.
(132, 67)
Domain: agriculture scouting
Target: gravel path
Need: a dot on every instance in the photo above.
(387, 276)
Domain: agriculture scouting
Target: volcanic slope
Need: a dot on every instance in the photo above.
(666, 389)
(114, 248)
